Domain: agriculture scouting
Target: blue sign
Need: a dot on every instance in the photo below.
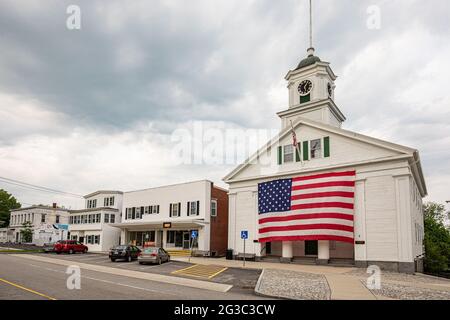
(61, 226)
(194, 234)
(244, 234)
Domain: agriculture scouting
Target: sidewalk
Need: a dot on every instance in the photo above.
(321, 270)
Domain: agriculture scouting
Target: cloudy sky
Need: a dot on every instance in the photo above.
(96, 108)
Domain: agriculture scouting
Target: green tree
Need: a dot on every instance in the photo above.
(437, 238)
(27, 232)
(7, 203)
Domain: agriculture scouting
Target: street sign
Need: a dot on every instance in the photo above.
(244, 234)
(194, 234)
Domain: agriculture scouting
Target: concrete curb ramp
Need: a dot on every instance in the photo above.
(198, 284)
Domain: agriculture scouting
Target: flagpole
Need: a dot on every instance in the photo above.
(295, 143)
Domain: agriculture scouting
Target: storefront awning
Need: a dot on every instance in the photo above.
(146, 225)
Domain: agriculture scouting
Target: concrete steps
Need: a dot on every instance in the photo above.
(179, 253)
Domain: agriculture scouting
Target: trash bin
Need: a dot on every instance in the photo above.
(229, 254)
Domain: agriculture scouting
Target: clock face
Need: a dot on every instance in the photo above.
(305, 87)
(330, 90)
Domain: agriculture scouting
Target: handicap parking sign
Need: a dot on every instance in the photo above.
(194, 234)
(244, 234)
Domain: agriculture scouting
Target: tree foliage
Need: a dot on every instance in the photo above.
(7, 203)
(27, 232)
(437, 238)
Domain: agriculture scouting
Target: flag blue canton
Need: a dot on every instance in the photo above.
(274, 196)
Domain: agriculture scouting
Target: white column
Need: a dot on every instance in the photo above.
(123, 236)
(324, 251)
(288, 251)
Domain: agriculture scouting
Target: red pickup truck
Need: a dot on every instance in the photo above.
(69, 246)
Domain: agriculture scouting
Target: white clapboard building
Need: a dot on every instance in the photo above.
(92, 225)
(48, 223)
(373, 217)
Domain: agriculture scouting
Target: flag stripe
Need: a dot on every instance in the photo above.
(308, 217)
(304, 238)
(322, 205)
(322, 226)
(326, 175)
(324, 184)
(323, 195)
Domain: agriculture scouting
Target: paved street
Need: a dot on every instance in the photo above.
(22, 278)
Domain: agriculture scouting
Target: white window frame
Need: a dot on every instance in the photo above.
(214, 208)
(106, 218)
(290, 154)
(193, 210)
(176, 210)
(311, 149)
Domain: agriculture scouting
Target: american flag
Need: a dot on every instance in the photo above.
(315, 207)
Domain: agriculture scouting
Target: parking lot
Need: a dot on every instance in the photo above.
(242, 280)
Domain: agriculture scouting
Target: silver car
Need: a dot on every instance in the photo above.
(153, 255)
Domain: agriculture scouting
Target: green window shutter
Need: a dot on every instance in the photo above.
(326, 147)
(304, 99)
(280, 155)
(297, 153)
(305, 151)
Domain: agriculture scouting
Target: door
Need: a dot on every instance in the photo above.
(311, 248)
(186, 240)
(159, 239)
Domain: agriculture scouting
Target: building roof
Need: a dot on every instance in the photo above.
(308, 61)
(411, 153)
(94, 209)
(102, 192)
(39, 207)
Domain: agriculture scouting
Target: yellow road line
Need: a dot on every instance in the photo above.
(201, 271)
(182, 270)
(218, 272)
(26, 289)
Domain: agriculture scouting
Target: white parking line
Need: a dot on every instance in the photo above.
(107, 281)
(157, 265)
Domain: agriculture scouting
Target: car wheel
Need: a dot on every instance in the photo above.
(71, 251)
(58, 253)
(141, 263)
(129, 258)
(113, 260)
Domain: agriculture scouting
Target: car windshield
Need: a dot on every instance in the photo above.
(150, 250)
(120, 248)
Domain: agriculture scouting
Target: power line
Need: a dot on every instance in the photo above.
(38, 188)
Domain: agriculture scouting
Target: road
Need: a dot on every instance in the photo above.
(23, 279)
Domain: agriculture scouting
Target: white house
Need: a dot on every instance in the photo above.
(167, 216)
(49, 224)
(388, 190)
(92, 226)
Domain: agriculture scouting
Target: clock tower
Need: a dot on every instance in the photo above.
(311, 93)
(311, 90)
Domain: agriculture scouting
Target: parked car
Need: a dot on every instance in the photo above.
(69, 246)
(48, 247)
(123, 252)
(153, 255)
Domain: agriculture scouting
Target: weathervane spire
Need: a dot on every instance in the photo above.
(311, 48)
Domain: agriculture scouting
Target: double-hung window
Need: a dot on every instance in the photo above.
(193, 208)
(175, 209)
(106, 218)
(288, 153)
(214, 208)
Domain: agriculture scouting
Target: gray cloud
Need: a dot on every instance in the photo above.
(139, 69)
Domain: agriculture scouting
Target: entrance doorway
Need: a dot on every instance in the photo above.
(311, 248)
(186, 240)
